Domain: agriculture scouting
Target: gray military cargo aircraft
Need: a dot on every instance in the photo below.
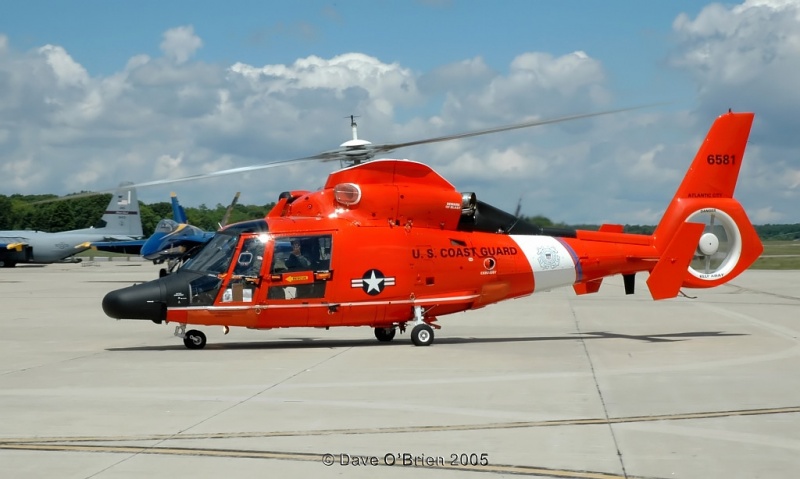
(120, 222)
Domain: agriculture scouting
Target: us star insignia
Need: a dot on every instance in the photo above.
(373, 282)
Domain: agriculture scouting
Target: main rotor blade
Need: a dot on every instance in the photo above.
(168, 181)
(528, 124)
(241, 169)
(363, 152)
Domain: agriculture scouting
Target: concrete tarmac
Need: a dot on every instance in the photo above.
(553, 385)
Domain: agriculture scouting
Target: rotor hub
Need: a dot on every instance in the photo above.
(709, 244)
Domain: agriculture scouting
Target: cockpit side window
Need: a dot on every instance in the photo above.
(216, 256)
(250, 258)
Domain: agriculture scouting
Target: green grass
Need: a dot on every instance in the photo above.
(779, 255)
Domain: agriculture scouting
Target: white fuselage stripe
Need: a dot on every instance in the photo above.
(552, 264)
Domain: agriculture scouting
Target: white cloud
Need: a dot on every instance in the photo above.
(180, 43)
(746, 57)
(171, 116)
(166, 119)
(390, 83)
(167, 166)
(456, 78)
(537, 84)
(22, 174)
(566, 74)
(766, 215)
(746, 44)
(67, 72)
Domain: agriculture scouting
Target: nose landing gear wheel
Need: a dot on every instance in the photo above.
(385, 334)
(194, 339)
(422, 335)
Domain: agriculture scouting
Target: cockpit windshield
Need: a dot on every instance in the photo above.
(166, 226)
(216, 256)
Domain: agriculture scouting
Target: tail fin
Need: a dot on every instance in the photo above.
(228, 210)
(728, 244)
(122, 214)
(178, 214)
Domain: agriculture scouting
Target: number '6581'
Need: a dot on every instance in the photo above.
(721, 159)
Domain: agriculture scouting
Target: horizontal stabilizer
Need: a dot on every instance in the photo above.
(16, 246)
(122, 247)
(608, 228)
(592, 286)
(667, 277)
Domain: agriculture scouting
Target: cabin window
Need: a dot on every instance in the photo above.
(300, 267)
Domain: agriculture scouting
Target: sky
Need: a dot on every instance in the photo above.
(97, 92)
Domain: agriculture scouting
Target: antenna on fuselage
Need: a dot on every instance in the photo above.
(354, 126)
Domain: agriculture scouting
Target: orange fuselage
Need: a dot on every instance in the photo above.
(399, 246)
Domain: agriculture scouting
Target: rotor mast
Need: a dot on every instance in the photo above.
(355, 150)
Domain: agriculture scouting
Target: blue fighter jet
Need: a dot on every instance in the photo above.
(173, 241)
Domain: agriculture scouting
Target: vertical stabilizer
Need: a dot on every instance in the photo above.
(178, 214)
(122, 214)
(727, 243)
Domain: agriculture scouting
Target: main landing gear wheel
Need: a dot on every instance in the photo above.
(385, 334)
(422, 335)
(194, 339)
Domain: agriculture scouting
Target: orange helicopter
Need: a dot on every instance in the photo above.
(392, 245)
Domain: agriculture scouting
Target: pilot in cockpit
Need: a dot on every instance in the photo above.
(297, 261)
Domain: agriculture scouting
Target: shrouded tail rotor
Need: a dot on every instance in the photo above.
(720, 245)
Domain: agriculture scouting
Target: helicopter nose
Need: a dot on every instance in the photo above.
(140, 301)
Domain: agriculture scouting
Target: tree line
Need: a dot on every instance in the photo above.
(17, 212)
(785, 232)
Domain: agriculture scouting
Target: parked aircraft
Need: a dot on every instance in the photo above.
(172, 242)
(121, 221)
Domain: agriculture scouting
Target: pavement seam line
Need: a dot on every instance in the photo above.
(597, 387)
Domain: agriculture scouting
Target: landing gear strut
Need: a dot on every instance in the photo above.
(422, 333)
(192, 339)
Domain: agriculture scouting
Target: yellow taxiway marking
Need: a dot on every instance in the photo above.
(414, 429)
(61, 444)
(307, 457)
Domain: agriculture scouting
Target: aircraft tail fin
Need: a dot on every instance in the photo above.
(178, 213)
(122, 214)
(727, 243)
(228, 210)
